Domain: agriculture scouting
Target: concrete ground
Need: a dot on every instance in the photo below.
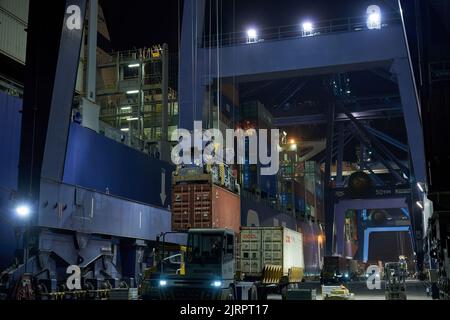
(415, 290)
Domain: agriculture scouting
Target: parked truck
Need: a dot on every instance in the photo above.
(221, 265)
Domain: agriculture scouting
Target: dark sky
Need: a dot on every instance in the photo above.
(399, 244)
(139, 23)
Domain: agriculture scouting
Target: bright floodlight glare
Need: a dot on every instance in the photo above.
(374, 21)
(217, 284)
(374, 18)
(419, 204)
(307, 27)
(162, 283)
(252, 34)
(320, 238)
(419, 185)
(23, 211)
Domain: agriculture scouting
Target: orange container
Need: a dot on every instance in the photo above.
(205, 206)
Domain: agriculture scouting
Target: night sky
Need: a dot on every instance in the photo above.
(137, 23)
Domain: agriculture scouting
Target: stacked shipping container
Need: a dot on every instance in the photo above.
(307, 188)
(254, 115)
(270, 246)
(204, 206)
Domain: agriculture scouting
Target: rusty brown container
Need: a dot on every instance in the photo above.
(205, 206)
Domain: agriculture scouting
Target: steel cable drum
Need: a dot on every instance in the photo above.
(359, 185)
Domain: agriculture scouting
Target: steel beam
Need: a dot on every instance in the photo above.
(165, 148)
(329, 203)
(304, 56)
(384, 75)
(53, 53)
(322, 119)
(75, 209)
(343, 206)
(192, 74)
(297, 90)
(382, 149)
(412, 114)
(91, 77)
(369, 231)
(360, 137)
(387, 138)
(373, 175)
(348, 137)
(340, 154)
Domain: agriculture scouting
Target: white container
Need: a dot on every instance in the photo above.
(261, 246)
(13, 22)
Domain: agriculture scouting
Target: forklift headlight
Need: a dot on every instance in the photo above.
(162, 283)
(217, 284)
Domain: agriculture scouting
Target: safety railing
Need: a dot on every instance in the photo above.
(130, 56)
(319, 28)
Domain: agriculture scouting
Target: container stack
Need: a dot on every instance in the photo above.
(200, 204)
(313, 181)
(253, 115)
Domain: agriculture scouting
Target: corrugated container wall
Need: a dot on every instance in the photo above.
(278, 246)
(13, 22)
(205, 206)
(256, 214)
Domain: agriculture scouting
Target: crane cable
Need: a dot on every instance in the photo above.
(218, 24)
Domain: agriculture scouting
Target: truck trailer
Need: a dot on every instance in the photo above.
(221, 265)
